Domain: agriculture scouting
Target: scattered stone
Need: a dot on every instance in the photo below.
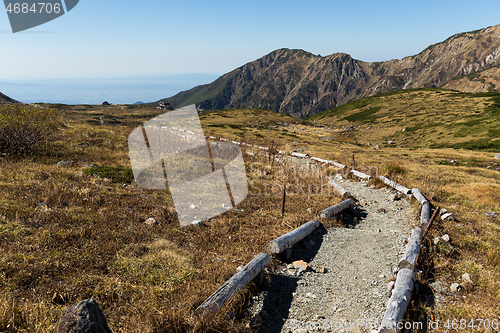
(197, 223)
(491, 214)
(62, 163)
(339, 176)
(301, 265)
(151, 221)
(454, 287)
(497, 156)
(376, 147)
(309, 210)
(193, 207)
(448, 216)
(43, 205)
(443, 211)
(83, 317)
(467, 283)
(381, 210)
(93, 165)
(322, 270)
(391, 142)
(290, 266)
(445, 238)
(390, 286)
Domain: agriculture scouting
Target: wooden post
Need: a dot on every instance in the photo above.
(342, 191)
(283, 198)
(330, 212)
(401, 297)
(237, 282)
(286, 241)
(429, 225)
(409, 259)
(395, 185)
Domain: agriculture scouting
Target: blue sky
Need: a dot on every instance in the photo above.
(122, 38)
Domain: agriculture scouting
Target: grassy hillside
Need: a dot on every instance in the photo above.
(90, 240)
(431, 118)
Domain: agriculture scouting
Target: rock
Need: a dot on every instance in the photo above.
(301, 265)
(151, 221)
(62, 163)
(445, 238)
(309, 210)
(443, 211)
(391, 142)
(83, 317)
(448, 216)
(454, 287)
(390, 286)
(381, 210)
(436, 240)
(376, 147)
(322, 270)
(491, 214)
(497, 156)
(467, 283)
(339, 176)
(43, 205)
(93, 165)
(193, 207)
(290, 266)
(197, 223)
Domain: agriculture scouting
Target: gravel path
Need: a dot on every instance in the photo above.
(346, 283)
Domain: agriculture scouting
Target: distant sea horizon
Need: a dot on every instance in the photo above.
(96, 91)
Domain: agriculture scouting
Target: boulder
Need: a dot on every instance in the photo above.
(83, 317)
(448, 216)
(301, 265)
(497, 156)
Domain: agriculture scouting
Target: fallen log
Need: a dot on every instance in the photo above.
(342, 191)
(425, 214)
(237, 282)
(361, 175)
(320, 160)
(409, 259)
(395, 185)
(419, 196)
(330, 212)
(286, 241)
(397, 304)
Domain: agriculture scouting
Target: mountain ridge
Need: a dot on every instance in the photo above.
(6, 99)
(297, 83)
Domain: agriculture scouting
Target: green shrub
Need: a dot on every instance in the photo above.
(23, 127)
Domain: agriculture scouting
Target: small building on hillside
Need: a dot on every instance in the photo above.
(164, 105)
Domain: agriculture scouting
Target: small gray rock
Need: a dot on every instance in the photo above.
(448, 216)
(151, 221)
(62, 163)
(445, 238)
(391, 142)
(83, 317)
(197, 223)
(491, 214)
(454, 287)
(497, 156)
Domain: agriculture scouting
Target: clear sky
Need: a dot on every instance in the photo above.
(123, 38)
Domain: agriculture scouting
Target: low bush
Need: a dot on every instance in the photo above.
(24, 127)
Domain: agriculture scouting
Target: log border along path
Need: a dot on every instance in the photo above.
(403, 286)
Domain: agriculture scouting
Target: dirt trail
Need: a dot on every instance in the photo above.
(358, 259)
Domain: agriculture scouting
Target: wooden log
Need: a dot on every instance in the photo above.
(286, 241)
(409, 259)
(320, 160)
(342, 191)
(398, 303)
(299, 154)
(361, 175)
(425, 214)
(395, 185)
(330, 212)
(419, 196)
(237, 282)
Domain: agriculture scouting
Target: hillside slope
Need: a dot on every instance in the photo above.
(300, 84)
(6, 99)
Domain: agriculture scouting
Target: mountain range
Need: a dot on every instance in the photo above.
(301, 84)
